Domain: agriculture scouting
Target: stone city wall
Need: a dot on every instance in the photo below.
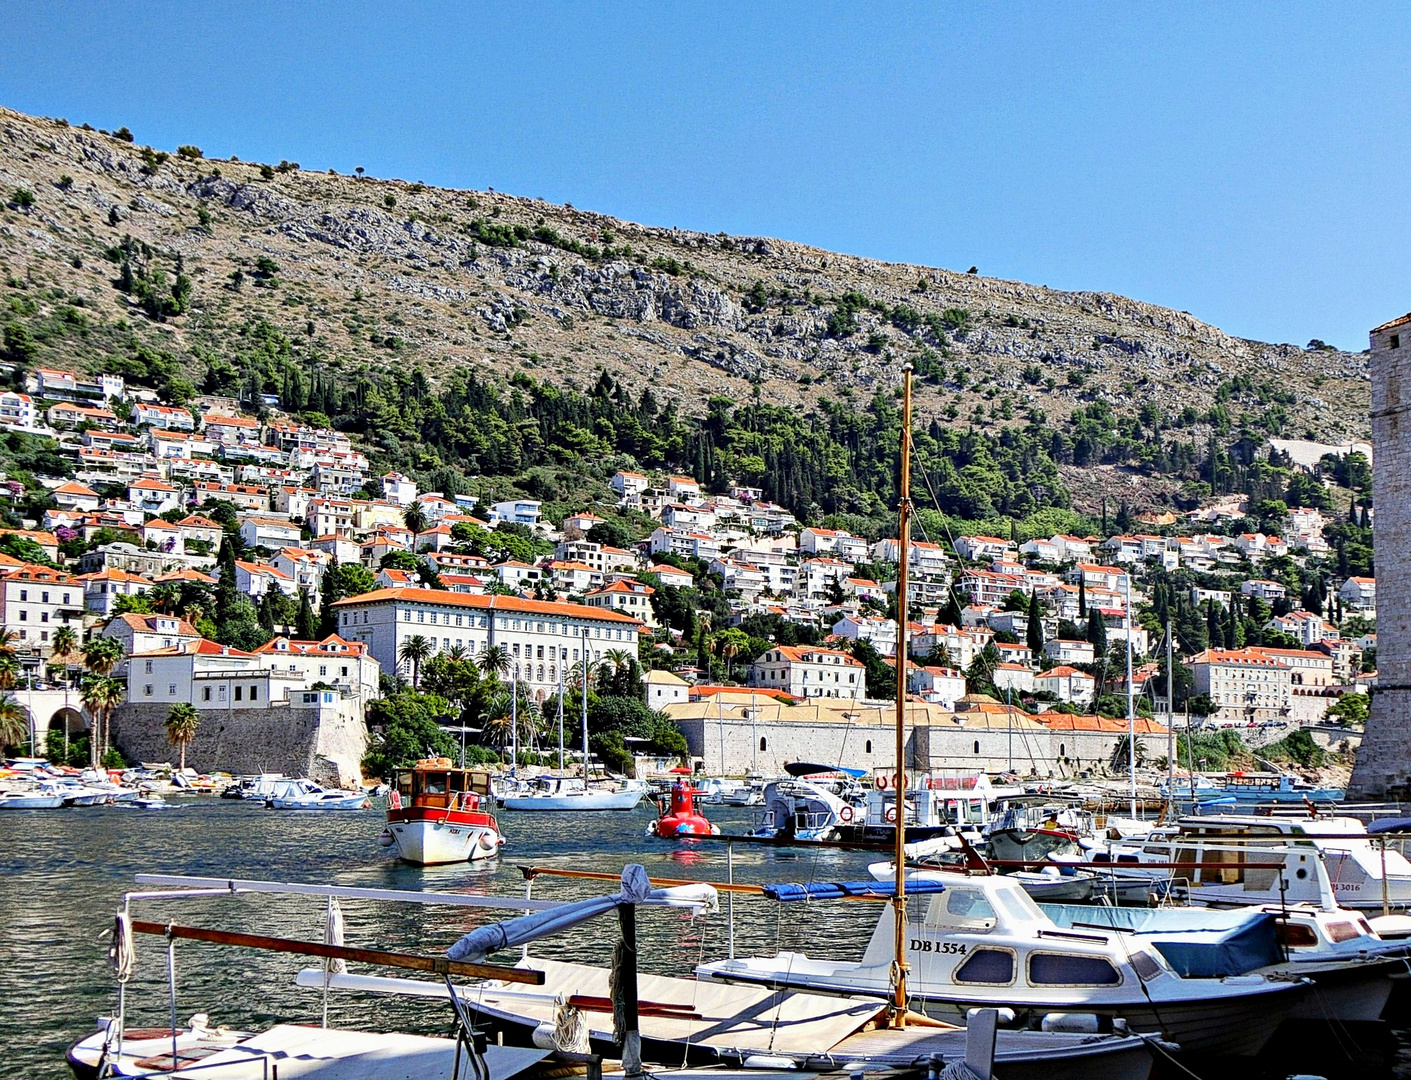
(737, 747)
(323, 744)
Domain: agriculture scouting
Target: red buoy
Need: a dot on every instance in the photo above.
(682, 818)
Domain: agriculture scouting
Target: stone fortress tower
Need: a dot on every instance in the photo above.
(1384, 761)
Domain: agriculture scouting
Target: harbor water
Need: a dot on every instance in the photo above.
(62, 875)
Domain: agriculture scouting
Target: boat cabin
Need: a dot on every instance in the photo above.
(436, 783)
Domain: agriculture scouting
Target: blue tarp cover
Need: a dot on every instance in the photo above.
(836, 890)
(1198, 943)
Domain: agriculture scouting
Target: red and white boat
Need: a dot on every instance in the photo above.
(438, 813)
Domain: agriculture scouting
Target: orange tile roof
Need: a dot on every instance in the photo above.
(508, 604)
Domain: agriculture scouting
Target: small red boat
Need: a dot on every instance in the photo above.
(680, 817)
(439, 814)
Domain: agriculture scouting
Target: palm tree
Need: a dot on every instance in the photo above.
(457, 653)
(8, 640)
(414, 517)
(181, 725)
(100, 696)
(14, 722)
(166, 596)
(101, 655)
(9, 671)
(65, 645)
(494, 661)
(413, 651)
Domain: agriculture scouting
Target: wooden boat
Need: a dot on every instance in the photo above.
(438, 813)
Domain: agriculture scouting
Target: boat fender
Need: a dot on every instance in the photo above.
(543, 1037)
(1072, 1023)
(892, 814)
(1004, 1016)
(487, 842)
(769, 1061)
(845, 814)
(386, 839)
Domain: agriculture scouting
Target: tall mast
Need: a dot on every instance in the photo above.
(585, 708)
(903, 549)
(561, 711)
(1131, 704)
(1170, 721)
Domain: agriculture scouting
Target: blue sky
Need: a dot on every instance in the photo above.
(1245, 163)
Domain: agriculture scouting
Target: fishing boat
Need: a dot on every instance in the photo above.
(680, 816)
(311, 796)
(980, 941)
(438, 813)
(569, 793)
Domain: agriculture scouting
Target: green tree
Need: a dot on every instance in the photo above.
(14, 721)
(1351, 709)
(414, 651)
(305, 624)
(403, 729)
(181, 724)
(1034, 635)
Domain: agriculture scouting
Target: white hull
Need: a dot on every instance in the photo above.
(352, 802)
(32, 802)
(581, 800)
(431, 843)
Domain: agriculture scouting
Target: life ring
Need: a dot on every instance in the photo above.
(892, 814)
(882, 782)
(845, 814)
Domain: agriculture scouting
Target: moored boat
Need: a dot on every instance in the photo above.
(680, 816)
(569, 793)
(438, 813)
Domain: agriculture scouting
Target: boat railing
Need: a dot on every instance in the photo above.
(164, 887)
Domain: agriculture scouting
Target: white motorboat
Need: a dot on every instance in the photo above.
(809, 808)
(1330, 862)
(1350, 965)
(33, 799)
(569, 793)
(311, 796)
(981, 942)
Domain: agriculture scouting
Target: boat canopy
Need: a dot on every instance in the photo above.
(636, 889)
(811, 768)
(789, 891)
(1203, 943)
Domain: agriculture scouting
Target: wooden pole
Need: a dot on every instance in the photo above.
(439, 964)
(626, 972)
(898, 1017)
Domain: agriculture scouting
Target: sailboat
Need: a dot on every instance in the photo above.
(564, 793)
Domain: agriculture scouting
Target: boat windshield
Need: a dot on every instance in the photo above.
(1017, 904)
(961, 909)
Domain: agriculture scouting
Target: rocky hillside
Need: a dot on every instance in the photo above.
(386, 272)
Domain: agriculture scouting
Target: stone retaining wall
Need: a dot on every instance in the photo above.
(323, 744)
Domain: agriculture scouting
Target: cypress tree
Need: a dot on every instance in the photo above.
(329, 593)
(1082, 599)
(1035, 635)
(305, 625)
(1097, 635)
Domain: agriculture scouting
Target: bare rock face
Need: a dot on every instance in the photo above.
(489, 279)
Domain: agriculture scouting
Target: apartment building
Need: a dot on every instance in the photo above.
(810, 672)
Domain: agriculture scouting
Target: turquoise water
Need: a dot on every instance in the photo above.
(63, 873)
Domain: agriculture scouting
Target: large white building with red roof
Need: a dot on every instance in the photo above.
(543, 639)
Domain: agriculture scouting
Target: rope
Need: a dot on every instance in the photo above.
(122, 956)
(958, 1070)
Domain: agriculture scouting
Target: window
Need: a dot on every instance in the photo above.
(1394, 341)
(254, 693)
(44, 616)
(24, 616)
(66, 598)
(205, 693)
(869, 747)
(763, 744)
(961, 909)
(222, 693)
(171, 689)
(977, 746)
(344, 669)
(994, 966)
(24, 594)
(44, 596)
(1058, 969)
(421, 616)
(239, 690)
(147, 690)
(148, 667)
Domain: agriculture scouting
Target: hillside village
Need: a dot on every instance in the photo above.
(245, 560)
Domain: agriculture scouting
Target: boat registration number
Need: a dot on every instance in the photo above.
(954, 947)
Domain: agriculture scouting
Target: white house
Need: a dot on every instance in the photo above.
(75, 496)
(1268, 591)
(1067, 683)
(398, 489)
(345, 665)
(153, 496)
(255, 580)
(35, 601)
(630, 487)
(101, 590)
(1359, 594)
(939, 685)
(810, 672)
(18, 410)
(258, 531)
(1062, 651)
(682, 487)
(879, 632)
(143, 633)
(517, 512)
(162, 416)
(983, 548)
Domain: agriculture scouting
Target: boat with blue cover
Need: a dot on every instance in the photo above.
(1274, 788)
